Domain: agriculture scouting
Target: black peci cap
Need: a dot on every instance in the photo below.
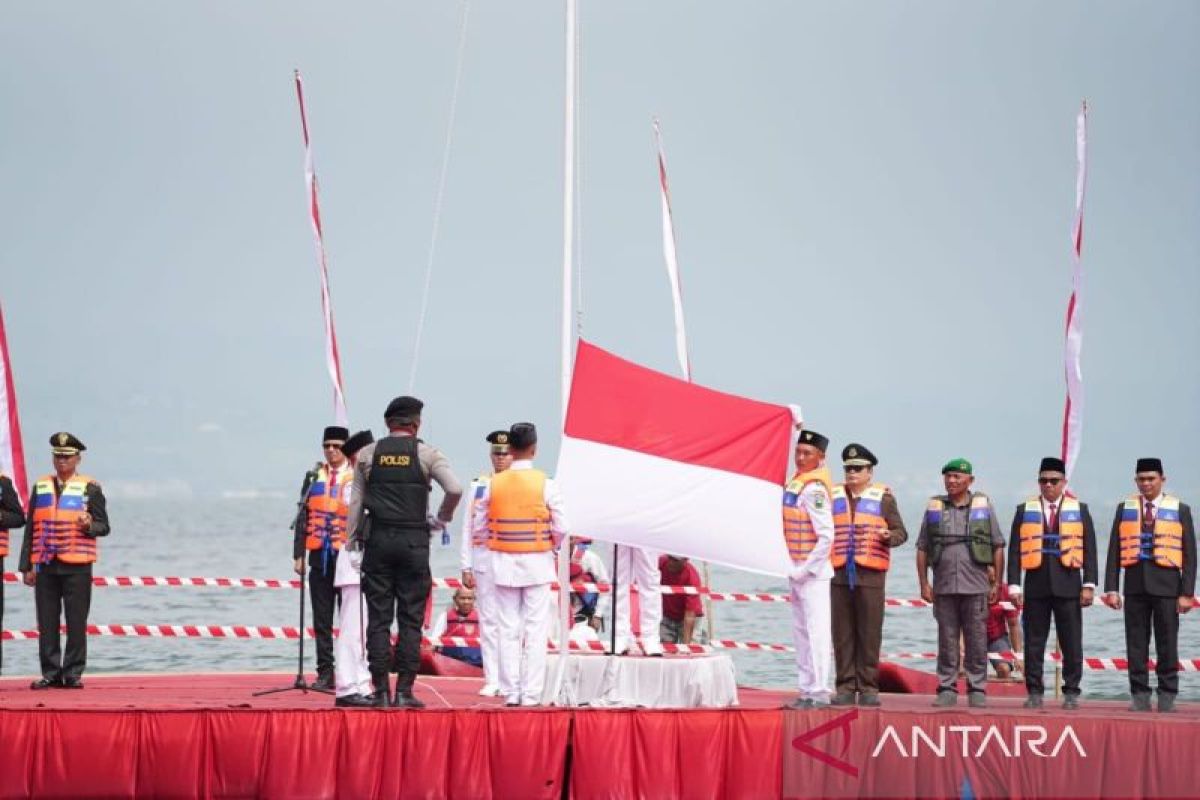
(357, 442)
(335, 433)
(1149, 465)
(1052, 464)
(815, 439)
(522, 435)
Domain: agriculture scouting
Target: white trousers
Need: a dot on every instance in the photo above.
(524, 614)
(489, 625)
(640, 567)
(350, 670)
(813, 633)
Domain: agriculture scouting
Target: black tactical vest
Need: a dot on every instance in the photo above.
(397, 493)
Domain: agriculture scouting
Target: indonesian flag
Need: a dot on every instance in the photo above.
(653, 461)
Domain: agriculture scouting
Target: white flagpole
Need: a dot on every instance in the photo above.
(669, 254)
(1072, 437)
(332, 359)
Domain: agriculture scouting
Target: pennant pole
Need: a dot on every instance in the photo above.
(669, 254)
(12, 452)
(332, 358)
(1072, 431)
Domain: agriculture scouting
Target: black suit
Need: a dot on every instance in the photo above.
(1053, 590)
(1151, 596)
(11, 516)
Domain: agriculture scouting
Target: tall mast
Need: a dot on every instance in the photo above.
(568, 203)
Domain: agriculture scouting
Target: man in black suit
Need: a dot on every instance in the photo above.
(1053, 541)
(1154, 541)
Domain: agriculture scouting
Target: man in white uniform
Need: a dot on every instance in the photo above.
(351, 673)
(638, 566)
(523, 513)
(476, 574)
(808, 530)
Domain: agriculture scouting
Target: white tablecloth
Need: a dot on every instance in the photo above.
(701, 681)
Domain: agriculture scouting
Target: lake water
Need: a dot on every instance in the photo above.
(249, 538)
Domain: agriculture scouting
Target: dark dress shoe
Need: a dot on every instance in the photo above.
(403, 699)
(801, 704)
(1166, 703)
(72, 683)
(1141, 702)
(869, 700)
(47, 683)
(977, 700)
(843, 699)
(1033, 701)
(355, 701)
(324, 682)
(1070, 703)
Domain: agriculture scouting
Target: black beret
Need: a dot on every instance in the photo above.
(357, 442)
(1149, 465)
(855, 455)
(522, 435)
(813, 438)
(65, 444)
(335, 433)
(403, 406)
(1052, 464)
(498, 440)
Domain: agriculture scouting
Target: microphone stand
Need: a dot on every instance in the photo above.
(300, 683)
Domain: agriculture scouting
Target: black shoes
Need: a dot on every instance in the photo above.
(1141, 702)
(869, 700)
(945, 700)
(843, 699)
(48, 683)
(72, 683)
(355, 701)
(1035, 701)
(403, 698)
(977, 700)
(324, 682)
(1166, 703)
(1070, 703)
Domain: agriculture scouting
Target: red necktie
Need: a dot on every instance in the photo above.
(1148, 517)
(1052, 517)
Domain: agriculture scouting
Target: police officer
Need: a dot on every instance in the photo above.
(808, 531)
(867, 525)
(389, 510)
(476, 566)
(321, 530)
(67, 514)
(522, 510)
(11, 516)
(1053, 542)
(1154, 541)
(961, 542)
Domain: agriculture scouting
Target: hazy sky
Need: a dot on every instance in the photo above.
(873, 204)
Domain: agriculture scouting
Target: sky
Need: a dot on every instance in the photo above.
(873, 205)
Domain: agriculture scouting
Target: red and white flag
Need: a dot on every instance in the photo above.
(333, 360)
(1072, 433)
(12, 453)
(670, 256)
(653, 461)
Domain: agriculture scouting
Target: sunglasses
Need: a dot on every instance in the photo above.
(854, 467)
(1049, 481)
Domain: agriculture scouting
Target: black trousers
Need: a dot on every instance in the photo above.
(1068, 625)
(857, 635)
(1143, 613)
(395, 582)
(323, 594)
(57, 594)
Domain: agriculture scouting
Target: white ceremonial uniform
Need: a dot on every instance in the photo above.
(351, 673)
(524, 601)
(812, 624)
(636, 565)
(476, 557)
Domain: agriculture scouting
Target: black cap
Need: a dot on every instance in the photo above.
(1052, 464)
(65, 444)
(522, 435)
(1149, 465)
(403, 407)
(855, 455)
(815, 439)
(357, 442)
(336, 433)
(499, 441)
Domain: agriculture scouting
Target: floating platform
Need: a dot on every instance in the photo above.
(207, 735)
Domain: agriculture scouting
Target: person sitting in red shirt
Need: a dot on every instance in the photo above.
(679, 610)
(1003, 632)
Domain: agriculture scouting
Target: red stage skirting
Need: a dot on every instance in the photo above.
(189, 736)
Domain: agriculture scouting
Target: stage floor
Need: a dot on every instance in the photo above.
(206, 735)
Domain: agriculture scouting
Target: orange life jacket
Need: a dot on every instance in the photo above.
(518, 519)
(858, 534)
(56, 531)
(798, 530)
(1164, 545)
(3, 536)
(1067, 544)
(327, 509)
(458, 625)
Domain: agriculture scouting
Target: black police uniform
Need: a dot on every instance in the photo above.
(11, 516)
(395, 572)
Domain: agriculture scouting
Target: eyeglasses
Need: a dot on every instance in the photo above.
(332, 446)
(1049, 481)
(854, 467)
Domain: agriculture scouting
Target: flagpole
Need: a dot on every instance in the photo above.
(1072, 432)
(333, 360)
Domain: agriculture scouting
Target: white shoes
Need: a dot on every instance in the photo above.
(622, 646)
(489, 690)
(652, 647)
